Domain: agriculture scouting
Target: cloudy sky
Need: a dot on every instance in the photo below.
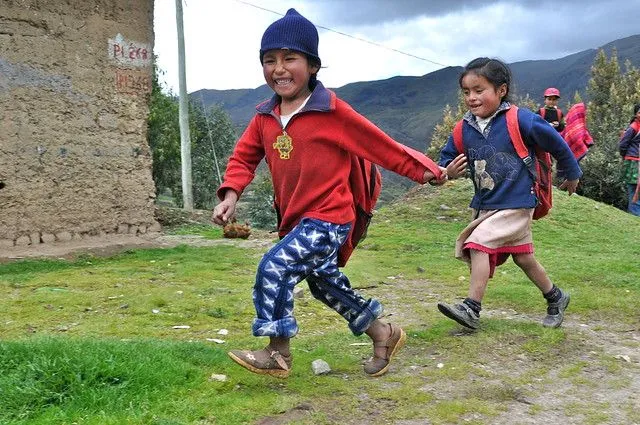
(365, 40)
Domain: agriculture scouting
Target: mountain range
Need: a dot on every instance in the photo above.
(408, 108)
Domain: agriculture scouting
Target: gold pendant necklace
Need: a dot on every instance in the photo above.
(284, 145)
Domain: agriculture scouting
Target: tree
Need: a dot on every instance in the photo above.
(259, 199)
(212, 140)
(443, 129)
(527, 102)
(608, 112)
(163, 136)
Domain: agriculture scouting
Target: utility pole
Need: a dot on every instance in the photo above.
(185, 136)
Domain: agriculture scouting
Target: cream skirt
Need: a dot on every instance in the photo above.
(499, 233)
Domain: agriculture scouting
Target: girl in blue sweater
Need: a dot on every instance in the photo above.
(504, 198)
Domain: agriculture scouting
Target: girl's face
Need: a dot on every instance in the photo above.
(287, 72)
(480, 96)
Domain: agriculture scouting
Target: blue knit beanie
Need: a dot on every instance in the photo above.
(292, 31)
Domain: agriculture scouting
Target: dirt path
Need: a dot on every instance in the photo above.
(112, 244)
(595, 377)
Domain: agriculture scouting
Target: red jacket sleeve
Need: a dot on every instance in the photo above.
(242, 164)
(362, 138)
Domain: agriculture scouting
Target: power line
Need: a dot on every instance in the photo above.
(348, 35)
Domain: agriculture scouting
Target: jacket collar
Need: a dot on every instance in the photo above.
(471, 119)
(321, 100)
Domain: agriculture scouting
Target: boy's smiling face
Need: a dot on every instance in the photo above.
(551, 101)
(288, 72)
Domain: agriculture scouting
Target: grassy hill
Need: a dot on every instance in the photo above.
(131, 338)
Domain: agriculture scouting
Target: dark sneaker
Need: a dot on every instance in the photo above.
(377, 366)
(555, 311)
(461, 313)
(263, 362)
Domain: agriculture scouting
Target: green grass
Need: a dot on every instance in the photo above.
(53, 380)
(92, 340)
(206, 231)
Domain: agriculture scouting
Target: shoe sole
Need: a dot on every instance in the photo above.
(565, 307)
(451, 315)
(401, 341)
(278, 373)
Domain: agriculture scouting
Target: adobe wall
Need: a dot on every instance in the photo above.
(75, 77)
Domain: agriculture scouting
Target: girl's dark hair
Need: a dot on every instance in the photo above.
(494, 70)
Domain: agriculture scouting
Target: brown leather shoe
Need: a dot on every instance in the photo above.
(263, 362)
(377, 366)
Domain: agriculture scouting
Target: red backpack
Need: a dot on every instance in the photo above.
(366, 182)
(540, 168)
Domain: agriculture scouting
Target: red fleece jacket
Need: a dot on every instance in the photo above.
(313, 181)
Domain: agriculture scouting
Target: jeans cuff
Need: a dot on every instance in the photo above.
(285, 328)
(371, 312)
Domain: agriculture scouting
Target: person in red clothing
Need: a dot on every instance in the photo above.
(550, 111)
(306, 135)
(576, 134)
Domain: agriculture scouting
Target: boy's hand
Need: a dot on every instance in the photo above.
(226, 209)
(457, 167)
(431, 178)
(570, 186)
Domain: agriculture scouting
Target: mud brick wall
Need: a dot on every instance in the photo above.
(75, 78)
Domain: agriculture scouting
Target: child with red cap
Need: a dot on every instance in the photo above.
(307, 135)
(550, 112)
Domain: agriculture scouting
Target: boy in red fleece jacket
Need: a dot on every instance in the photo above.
(306, 136)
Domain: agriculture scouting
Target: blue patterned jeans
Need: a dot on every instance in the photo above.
(309, 251)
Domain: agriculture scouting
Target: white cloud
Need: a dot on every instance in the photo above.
(222, 37)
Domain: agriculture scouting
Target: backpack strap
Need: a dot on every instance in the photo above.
(516, 138)
(457, 137)
(543, 112)
(514, 133)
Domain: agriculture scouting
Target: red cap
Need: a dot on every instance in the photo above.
(552, 91)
